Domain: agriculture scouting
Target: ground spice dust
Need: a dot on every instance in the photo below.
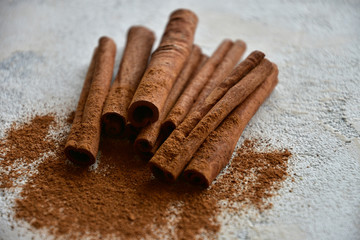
(120, 198)
(23, 145)
(257, 173)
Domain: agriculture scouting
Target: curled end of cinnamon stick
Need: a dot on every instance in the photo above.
(196, 178)
(113, 124)
(142, 145)
(79, 156)
(161, 173)
(131, 132)
(190, 15)
(142, 113)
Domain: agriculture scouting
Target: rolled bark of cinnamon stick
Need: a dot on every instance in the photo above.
(215, 153)
(146, 139)
(191, 92)
(163, 135)
(224, 68)
(164, 67)
(175, 139)
(170, 168)
(83, 141)
(234, 77)
(133, 64)
(166, 130)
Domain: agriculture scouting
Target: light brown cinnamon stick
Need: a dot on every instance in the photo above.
(146, 139)
(191, 92)
(171, 167)
(224, 68)
(132, 67)
(215, 153)
(83, 141)
(164, 67)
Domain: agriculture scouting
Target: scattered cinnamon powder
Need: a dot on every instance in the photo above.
(120, 198)
(257, 172)
(23, 145)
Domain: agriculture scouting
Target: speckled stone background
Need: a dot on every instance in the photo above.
(45, 47)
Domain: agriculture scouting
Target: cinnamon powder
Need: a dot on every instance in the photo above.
(23, 145)
(120, 198)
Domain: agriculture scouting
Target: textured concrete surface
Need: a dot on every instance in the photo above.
(45, 47)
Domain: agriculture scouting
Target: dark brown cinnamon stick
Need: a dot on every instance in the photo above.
(132, 67)
(83, 141)
(171, 167)
(215, 153)
(164, 67)
(191, 92)
(224, 68)
(146, 139)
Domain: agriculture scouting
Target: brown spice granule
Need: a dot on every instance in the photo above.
(120, 198)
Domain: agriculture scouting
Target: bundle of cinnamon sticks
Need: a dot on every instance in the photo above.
(183, 110)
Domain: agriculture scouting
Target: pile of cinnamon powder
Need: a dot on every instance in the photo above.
(119, 197)
(23, 145)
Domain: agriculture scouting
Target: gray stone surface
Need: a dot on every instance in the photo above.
(45, 47)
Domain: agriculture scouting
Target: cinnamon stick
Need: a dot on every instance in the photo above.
(132, 67)
(224, 68)
(203, 60)
(164, 67)
(234, 77)
(215, 153)
(169, 147)
(191, 92)
(146, 139)
(83, 141)
(164, 134)
(166, 129)
(171, 167)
